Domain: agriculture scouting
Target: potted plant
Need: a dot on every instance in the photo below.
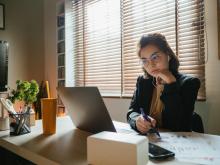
(25, 91)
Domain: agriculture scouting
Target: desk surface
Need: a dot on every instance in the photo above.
(68, 145)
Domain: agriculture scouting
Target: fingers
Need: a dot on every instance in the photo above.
(159, 80)
(160, 76)
(142, 125)
(153, 121)
(165, 76)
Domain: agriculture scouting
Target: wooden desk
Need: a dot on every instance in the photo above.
(67, 146)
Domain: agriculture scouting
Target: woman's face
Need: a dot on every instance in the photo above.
(153, 60)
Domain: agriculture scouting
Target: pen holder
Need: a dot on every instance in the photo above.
(19, 123)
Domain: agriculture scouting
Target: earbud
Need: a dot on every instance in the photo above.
(168, 58)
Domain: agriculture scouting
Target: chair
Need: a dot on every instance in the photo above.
(197, 124)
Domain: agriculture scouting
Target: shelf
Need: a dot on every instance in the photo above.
(61, 27)
(61, 47)
(60, 8)
(61, 34)
(61, 14)
(60, 51)
(61, 41)
(61, 83)
(60, 21)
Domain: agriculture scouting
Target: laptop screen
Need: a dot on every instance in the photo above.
(86, 108)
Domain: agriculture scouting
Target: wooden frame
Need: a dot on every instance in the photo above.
(2, 16)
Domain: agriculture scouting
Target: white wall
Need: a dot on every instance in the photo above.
(24, 31)
(50, 44)
(209, 110)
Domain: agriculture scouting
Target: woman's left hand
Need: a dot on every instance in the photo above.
(165, 76)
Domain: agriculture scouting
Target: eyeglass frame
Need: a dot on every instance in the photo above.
(151, 58)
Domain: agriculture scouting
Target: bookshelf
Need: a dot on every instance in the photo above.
(60, 52)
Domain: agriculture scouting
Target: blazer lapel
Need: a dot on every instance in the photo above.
(146, 94)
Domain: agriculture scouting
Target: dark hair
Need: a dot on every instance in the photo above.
(160, 41)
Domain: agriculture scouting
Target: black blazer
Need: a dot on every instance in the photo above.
(178, 99)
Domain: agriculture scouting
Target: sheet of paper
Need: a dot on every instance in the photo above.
(191, 147)
(124, 128)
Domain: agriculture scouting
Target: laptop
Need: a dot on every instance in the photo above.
(89, 113)
(86, 108)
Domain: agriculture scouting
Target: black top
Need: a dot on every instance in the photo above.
(178, 99)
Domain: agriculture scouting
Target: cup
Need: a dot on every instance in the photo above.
(49, 113)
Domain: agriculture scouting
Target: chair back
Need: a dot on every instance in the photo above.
(197, 124)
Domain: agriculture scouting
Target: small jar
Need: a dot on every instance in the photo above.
(32, 117)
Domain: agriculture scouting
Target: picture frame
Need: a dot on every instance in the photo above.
(2, 16)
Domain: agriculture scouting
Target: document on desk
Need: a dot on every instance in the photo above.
(191, 147)
(124, 128)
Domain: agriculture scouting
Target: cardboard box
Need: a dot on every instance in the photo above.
(109, 148)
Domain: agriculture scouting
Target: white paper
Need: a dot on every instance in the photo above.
(191, 147)
(124, 128)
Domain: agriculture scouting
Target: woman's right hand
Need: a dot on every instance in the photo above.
(143, 125)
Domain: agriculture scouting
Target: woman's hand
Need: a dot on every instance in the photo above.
(165, 76)
(143, 125)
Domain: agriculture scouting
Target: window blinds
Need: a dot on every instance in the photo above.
(107, 32)
(78, 42)
(190, 34)
(138, 18)
(102, 50)
(98, 45)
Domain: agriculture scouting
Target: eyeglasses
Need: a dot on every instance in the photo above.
(155, 58)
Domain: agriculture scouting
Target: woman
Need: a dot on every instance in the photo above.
(166, 95)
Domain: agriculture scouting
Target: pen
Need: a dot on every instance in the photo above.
(146, 117)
